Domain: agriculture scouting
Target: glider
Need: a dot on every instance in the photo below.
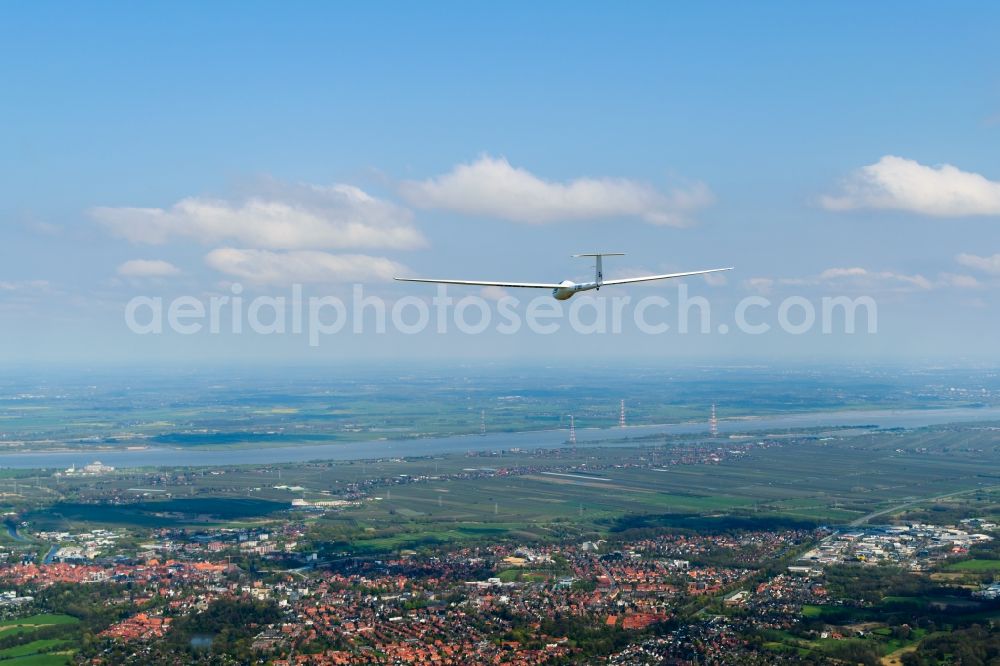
(567, 288)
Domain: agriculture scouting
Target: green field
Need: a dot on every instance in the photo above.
(41, 652)
(33, 648)
(975, 565)
(167, 513)
(517, 574)
(28, 624)
(50, 659)
(810, 610)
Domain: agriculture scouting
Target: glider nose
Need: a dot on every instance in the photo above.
(564, 291)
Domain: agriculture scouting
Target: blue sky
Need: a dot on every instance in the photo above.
(821, 148)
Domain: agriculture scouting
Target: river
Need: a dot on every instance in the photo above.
(191, 456)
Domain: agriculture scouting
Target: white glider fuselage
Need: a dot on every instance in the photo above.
(567, 288)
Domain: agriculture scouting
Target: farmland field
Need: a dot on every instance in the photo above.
(807, 478)
(975, 565)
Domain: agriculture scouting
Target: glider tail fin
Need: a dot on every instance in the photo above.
(598, 264)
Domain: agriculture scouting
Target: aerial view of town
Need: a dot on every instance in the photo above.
(499, 333)
(737, 539)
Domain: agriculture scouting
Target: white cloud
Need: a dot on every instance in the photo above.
(491, 187)
(762, 285)
(301, 266)
(24, 285)
(902, 184)
(297, 217)
(869, 278)
(834, 273)
(147, 268)
(716, 279)
(855, 278)
(851, 278)
(985, 264)
(960, 281)
(493, 293)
